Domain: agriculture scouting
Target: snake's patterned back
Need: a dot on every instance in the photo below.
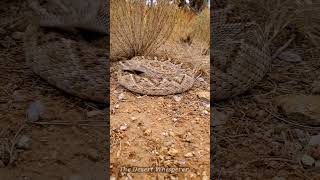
(240, 56)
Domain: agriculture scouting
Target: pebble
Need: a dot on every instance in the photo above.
(315, 152)
(177, 98)
(175, 119)
(133, 118)
(189, 154)
(220, 117)
(147, 132)
(315, 140)
(121, 97)
(93, 154)
(303, 109)
(290, 56)
(18, 35)
(172, 152)
(205, 112)
(24, 142)
(34, 111)
(124, 127)
(307, 160)
(204, 176)
(93, 113)
(200, 79)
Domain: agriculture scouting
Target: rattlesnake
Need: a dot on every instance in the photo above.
(68, 61)
(72, 61)
(240, 54)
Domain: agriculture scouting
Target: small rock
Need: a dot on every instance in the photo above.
(168, 141)
(204, 95)
(93, 154)
(261, 113)
(189, 154)
(172, 152)
(205, 112)
(315, 152)
(304, 109)
(200, 79)
(117, 106)
(278, 178)
(93, 113)
(307, 160)
(220, 118)
(175, 119)
(124, 127)
(290, 56)
(300, 135)
(315, 140)
(18, 35)
(133, 118)
(204, 176)
(34, 111)
(121, 97)
(171, 133)
(177, 98)
(147, 132)
(24, 142)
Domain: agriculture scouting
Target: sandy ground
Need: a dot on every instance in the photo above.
(160, 131)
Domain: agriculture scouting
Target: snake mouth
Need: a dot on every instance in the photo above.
(136, 72)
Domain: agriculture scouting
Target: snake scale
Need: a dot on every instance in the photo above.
(75, 61)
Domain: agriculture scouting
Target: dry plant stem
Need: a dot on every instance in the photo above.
(282, 48)
(13, 143)
(290, 122)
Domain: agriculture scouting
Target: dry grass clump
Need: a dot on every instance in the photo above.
(183, 30)
(276, 15)
(201, 26)
(137, 28)
(191, 27)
